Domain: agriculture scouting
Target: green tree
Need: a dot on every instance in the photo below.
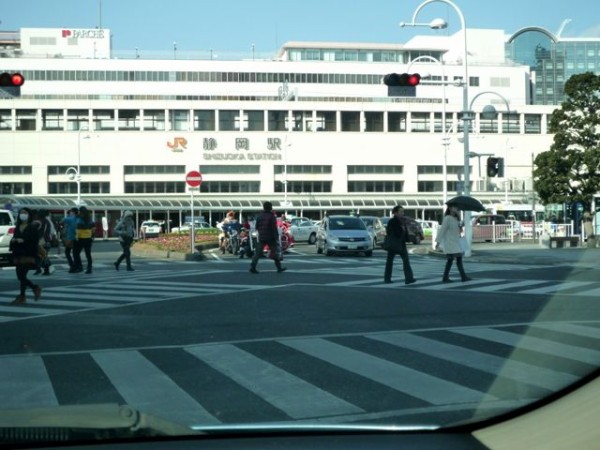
(570, 170)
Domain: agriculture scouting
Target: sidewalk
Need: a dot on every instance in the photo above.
(527, 253)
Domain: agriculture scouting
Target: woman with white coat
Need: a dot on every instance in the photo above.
(448, 237)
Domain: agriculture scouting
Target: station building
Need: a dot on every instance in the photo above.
(312, 128)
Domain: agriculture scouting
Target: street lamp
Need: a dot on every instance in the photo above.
(74, 173)
(438, 24)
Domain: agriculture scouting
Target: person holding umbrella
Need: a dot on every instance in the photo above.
(448, 238)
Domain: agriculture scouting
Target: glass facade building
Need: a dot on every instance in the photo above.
(553, 60)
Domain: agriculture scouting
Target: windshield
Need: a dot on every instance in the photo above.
(346, 223)
(289, 134)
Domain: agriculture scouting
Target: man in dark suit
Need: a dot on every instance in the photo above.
(397, 234)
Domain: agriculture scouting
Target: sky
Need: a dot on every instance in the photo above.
(264, 25)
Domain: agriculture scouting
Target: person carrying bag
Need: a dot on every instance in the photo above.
(395, 244)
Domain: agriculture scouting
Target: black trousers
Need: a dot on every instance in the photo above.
(389, 264)
(258, 252)
(24, 282)
(126, 255)
(86, 246)
(459, 264)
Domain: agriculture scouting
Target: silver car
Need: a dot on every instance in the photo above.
(7, 231)
(344, 235)
(376, 228)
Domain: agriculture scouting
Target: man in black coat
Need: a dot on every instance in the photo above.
(266, 226)
(397, 233)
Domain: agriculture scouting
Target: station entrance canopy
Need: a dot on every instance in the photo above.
(321, 202)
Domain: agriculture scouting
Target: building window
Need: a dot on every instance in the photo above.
(104, 119)
(488, 125)
(326, 121)
(397, 121)
(15, 170)
(533, 123)
(77, 119)
(154, 119)
(229, 120)
(278, 120)
(179, 119)
(302, 169)
(153, 170)
(230, 186)
(16, 188)
(420, 122)
(154, 187)
(6, 121)
(254, 121)
(511, 123)
(52, 119)
(86, 187)
(430, 186)
(204, 120)
(375, 169)
(438, 126)
(373, 121)
(26, 119)
(302, 121)
(129, 120)
(229, 170)
(350, 120)
(303, 187)
(83, 170)
(375, 186)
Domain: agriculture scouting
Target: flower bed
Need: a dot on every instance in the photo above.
(180, 242)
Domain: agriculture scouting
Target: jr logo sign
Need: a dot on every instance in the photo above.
(178, 145)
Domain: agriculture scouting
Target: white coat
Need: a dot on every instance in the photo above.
(448, 236)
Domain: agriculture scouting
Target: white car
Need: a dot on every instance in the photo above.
(150, 228)
(7, 231)
(188, 225)
(303, 230)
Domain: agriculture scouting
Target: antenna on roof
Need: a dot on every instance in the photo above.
(562, 27)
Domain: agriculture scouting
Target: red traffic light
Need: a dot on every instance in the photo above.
(402, 79)
(11, 79)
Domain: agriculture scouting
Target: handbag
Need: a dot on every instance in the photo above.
(392, 244)
(386, 243)
(462, 241)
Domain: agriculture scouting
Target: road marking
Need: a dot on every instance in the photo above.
(25, 383)
(535, 344)
(404, 379)
(146, 388)
(296, 397)
(495, 365)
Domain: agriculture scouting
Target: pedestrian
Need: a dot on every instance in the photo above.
(47, 236)
(125, 230)
(448, 238)
(69, 225)
(268, 234)
(397, 235)
(83, 240)
(24, 248)
(588, 228)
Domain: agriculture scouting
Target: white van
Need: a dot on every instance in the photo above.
(7, 231)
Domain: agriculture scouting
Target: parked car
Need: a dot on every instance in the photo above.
(415, 231)
(188, 225)
(486, 227)
(303, 230)
(150, 229)
(342, 235)
(7, 231)
(376, 228)
(427, 226)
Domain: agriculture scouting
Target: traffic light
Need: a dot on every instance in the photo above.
(11, 83)
(402, 79)
(492, 166)
(501, 167)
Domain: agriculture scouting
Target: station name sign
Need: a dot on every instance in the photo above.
(241, 149)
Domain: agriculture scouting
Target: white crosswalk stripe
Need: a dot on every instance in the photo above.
(150, 387)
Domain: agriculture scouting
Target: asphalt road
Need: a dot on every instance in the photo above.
(210, 343)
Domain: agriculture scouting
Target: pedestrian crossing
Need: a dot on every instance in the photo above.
(334, 378)
(110, 294)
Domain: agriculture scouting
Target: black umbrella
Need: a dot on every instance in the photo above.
(466, 203)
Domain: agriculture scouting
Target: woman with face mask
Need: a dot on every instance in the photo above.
(24, 247)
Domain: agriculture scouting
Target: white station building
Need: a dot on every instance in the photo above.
(312, 129)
